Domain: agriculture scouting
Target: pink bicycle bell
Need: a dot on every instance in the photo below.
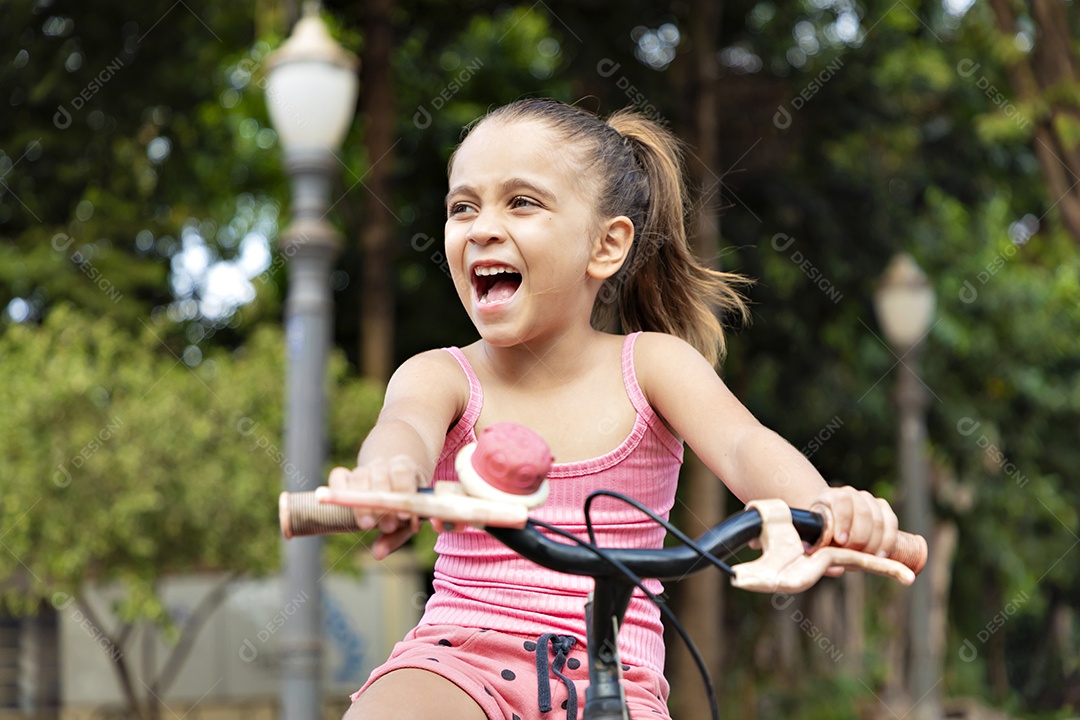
(508, 463)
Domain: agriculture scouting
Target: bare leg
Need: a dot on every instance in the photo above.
(412, 694)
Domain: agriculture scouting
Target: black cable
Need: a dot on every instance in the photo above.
(714, 708)
(679, 534)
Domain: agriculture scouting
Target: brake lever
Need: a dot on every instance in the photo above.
(785, 567)
(446, 502)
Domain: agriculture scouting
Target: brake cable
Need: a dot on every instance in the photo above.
(671, 529)
(664, 609)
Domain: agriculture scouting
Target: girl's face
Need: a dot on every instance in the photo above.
(519, 233)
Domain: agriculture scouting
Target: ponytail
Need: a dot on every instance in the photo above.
(661, 286)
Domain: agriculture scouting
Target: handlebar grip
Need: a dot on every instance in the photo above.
(301, 514)
(910, 550)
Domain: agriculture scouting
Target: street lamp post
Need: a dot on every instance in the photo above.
(311, 93)
(905, 302)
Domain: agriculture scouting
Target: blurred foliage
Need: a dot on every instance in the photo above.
(138, 161)
(123, 463)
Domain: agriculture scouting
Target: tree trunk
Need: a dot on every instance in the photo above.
(787, 654)
(160, 682)
(702, 595)
(377, 233)
(854, 644)
(119, 664)
(827, 615)
(705, 27)
(893, 687)
(939, 575)
(148, 637)
(1047, 73)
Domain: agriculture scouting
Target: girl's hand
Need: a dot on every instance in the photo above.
(398, 474)
(860, 520)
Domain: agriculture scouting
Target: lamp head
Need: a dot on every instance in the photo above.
(311, 88)
(904, 302)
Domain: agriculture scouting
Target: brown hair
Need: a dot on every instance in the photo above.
(661, 286)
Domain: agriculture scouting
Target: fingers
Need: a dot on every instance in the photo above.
(843, 511)
(860, 520)
(356, 479)
(339, 478)
(399, 474)
(868, 526)
(389, 542)
(891, 529)
(402, 473)
(379, 479)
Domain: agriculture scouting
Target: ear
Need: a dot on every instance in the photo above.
(611, 248)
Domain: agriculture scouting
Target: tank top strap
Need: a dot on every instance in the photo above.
(637, 397)
(463, 430)
(641, 403)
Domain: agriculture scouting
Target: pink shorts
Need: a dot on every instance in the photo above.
(499, 671)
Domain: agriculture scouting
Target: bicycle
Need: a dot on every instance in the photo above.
(785, 565)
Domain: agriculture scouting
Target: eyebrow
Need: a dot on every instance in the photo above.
(507, 186)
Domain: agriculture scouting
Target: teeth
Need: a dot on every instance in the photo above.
(492, 269)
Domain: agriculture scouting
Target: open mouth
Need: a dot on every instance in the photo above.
(495, 283)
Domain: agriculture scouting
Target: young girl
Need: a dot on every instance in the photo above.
(564, 231)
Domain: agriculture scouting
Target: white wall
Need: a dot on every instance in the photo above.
(236, 656)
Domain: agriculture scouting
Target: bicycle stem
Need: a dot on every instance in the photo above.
(604, 698)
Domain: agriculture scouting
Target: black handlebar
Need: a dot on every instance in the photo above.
(614, 570)
(672, 563)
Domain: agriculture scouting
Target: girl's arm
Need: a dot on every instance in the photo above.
(423, 399)
(752, 460)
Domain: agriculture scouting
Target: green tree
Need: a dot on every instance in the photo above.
(886, 147)
(111, 154)
(122, 464)
(1035, 45)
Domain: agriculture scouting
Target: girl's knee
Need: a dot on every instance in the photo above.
(353, 713)
(413, 694)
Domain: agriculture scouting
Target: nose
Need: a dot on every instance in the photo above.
(486, 228)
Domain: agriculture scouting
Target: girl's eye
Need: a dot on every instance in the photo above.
(521, 201)
(455, 208)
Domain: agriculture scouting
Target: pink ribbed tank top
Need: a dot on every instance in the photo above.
(481, 583)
